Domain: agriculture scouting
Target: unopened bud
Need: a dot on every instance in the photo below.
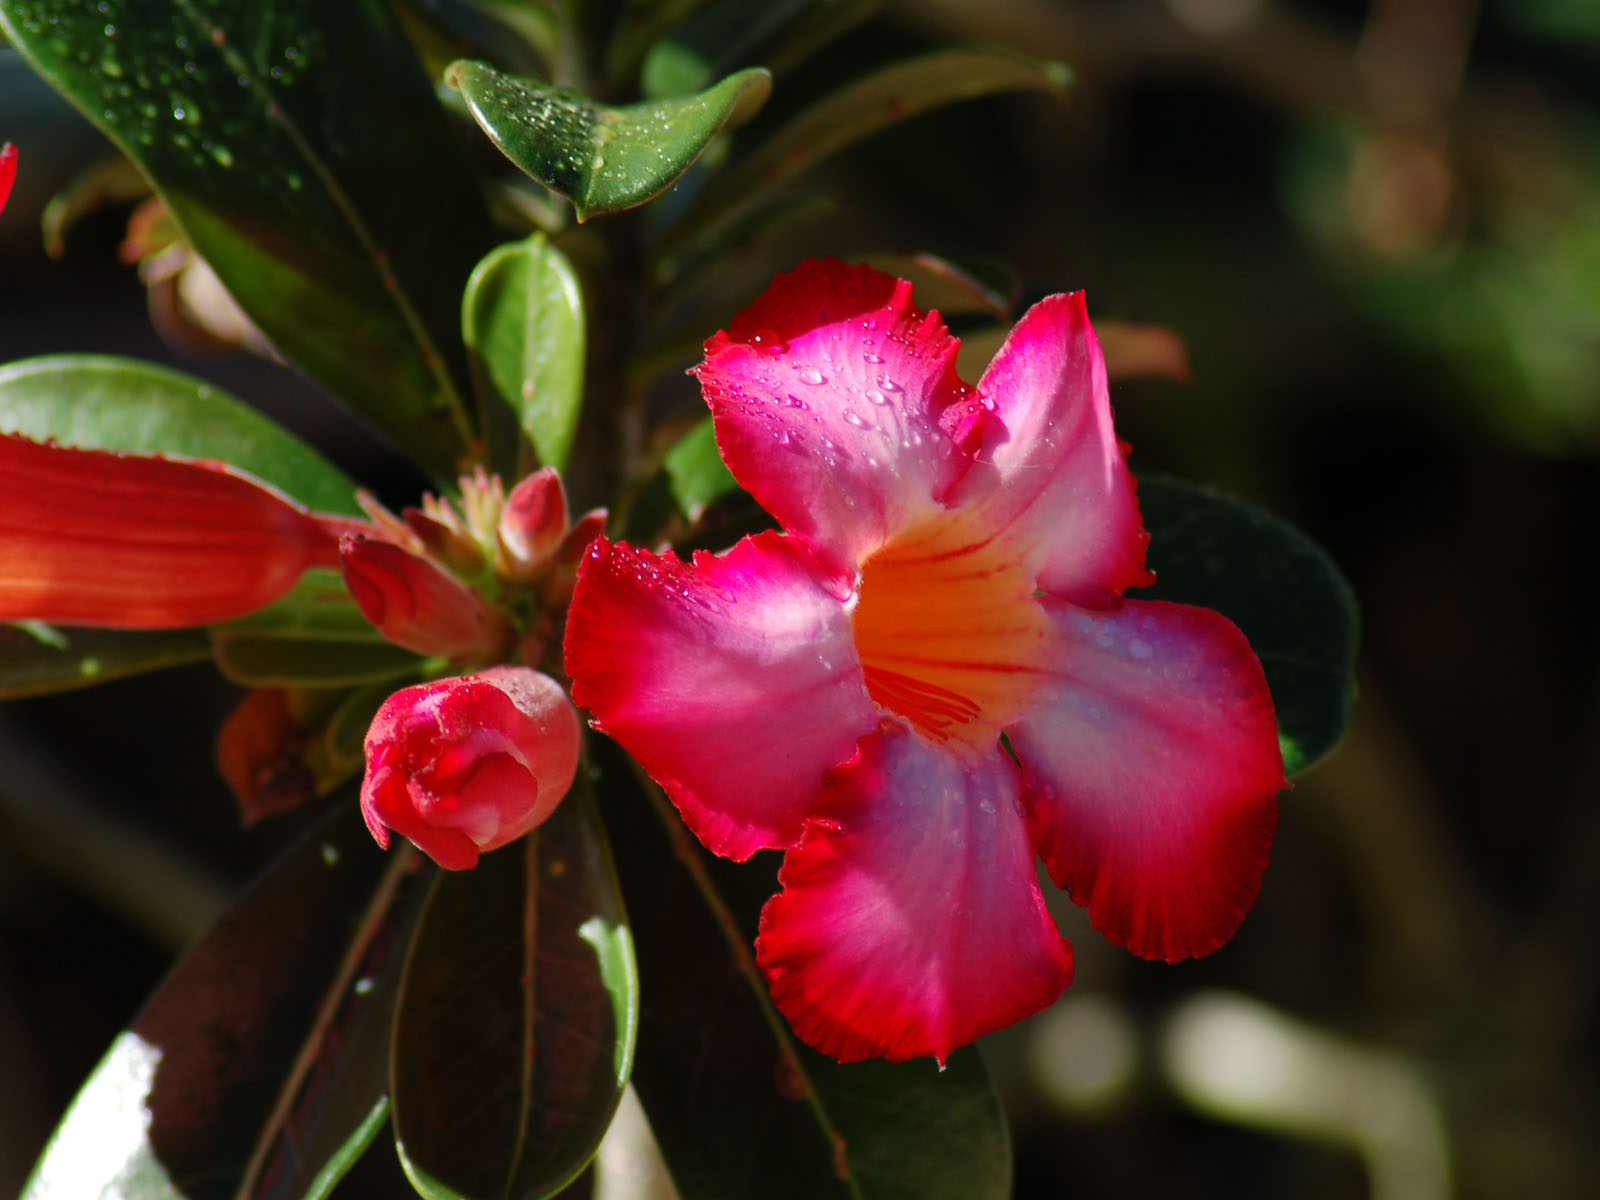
(462, 766)
(416, 605)
(532, 523)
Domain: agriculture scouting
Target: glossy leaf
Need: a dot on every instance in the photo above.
(862, 108)
(255, 660)
(104, 403)
(297, 179)
(1279, 588)
(253, 1072)
(514, 1035)
(740, 1107)
(40, 658)
(522, 317)
(602, 159)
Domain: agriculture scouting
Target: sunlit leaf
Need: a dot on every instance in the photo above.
(742, 1108)
(602, 159)
(103, 403)
(256, 1069)
(514, 1035)
(47, 658)
(862, 108)
(522, 317)
(1279, 588)
(297, 178)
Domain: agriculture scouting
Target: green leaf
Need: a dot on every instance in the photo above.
(261, 660)
(988, 289)
(104, 403)
(522, 317)
(860, 109)
(339, 214)
(37, 658)
(742, 1108)
(514, 1035)
(602, 159)
(1279, 588)
(695, 471)
(256, 1069)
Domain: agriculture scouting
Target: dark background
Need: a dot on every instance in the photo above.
(1377, 229)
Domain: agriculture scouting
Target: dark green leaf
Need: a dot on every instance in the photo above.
(103, 403)
(514, 1035)
(260, 660)
(38, 658)
(339, 213)
(862, 108)
(257, 1068)
(739, 1106)
(696, 472)
(1284, 593)
(522, 317)
(602, 159)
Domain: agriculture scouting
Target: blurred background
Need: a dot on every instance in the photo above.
(1375, 227)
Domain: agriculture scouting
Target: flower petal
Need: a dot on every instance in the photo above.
(826, 395)
(1052, 477)
(1151, 767)
(911, 920)
(132, 541)
(8, 171)
(734, 681)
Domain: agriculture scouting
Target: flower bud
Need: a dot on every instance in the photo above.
(465, 765)
(416, 605)
(532, 523)
(8, 171)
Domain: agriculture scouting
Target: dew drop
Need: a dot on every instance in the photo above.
(854, 418)
(874, 396)
(871, 356)
(766, 341)
(812, 376)
(1140, 648)
(888, 384)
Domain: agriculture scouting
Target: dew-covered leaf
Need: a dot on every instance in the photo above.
(338, 212)
(602, 159)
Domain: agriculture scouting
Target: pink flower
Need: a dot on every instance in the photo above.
(8, 171)
(932, 676)
(465, 765)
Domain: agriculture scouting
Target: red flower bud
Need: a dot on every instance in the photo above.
(416, 605)
(465, 765)
(533, 522)
(131, 541)
(8, 171)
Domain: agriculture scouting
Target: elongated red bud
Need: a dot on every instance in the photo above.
(8, 172)
(416, 605)
(462, 766)
(532, 523)
(128, 541)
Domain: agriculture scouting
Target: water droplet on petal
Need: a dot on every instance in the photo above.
(871, 356)
(812, 376)
(874, 396)
(888, 384)
(854, 418)
(766, 341)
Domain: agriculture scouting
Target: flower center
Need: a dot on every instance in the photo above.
(949, 634)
